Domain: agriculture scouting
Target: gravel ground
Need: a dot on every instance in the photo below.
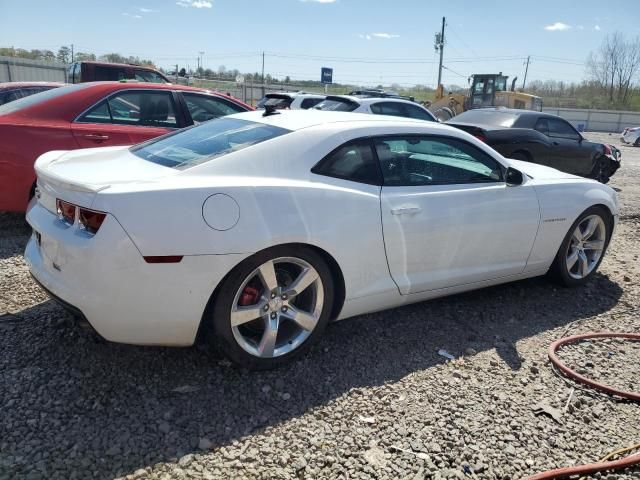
(372, 400)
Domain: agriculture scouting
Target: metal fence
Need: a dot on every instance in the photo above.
(14, 69)
(611, 121)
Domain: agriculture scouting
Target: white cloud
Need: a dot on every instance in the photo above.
(132, 15)
(597, 28)
(366, 37)
(195, 3)
(145, 10)
(385, 35)
(558, 26)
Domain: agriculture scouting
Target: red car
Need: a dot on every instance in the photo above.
(11, 91)
(96, 114)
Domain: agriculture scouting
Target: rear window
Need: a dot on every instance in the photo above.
(200, 144)
(279, 102)
(32, 100)
(494, 118)
(337, 105)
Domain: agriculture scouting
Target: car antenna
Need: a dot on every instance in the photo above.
(270, 110)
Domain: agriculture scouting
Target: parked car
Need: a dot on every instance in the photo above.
(80, 72)
(258, 228)
(291, 100)
(396, 107)
(11, 91)
(631, 135)
(539, 138)
(91, 115)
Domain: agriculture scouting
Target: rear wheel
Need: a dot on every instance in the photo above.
(273, 306)
(583, 247)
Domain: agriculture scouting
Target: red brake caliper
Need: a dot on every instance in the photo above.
(249, 296)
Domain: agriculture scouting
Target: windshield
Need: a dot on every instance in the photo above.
(205, 142)
(337, 105)
(493, 118)
(37, 98)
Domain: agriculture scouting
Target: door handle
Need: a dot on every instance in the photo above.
(556, 143)
(405, 210)
(96, 136)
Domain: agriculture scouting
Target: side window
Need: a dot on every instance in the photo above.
(389, 108)
(353, 161)
(308, 103)
(542, 125)
(207, 107)
(9, 97)
(98, 114)
(70, 72)
(417, 113)
(149, 109)
(148, 76)
(77, 73)
(562, 129)
(417, 160)
(108, 74)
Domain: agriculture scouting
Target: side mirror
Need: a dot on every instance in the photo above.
(514, 177)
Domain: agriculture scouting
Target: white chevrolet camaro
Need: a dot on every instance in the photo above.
(259, 228)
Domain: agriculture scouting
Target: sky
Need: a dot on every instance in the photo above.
(365, 42)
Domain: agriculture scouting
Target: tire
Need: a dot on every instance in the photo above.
(444, 113)
(575, 276)
(600, 171)
(637, 142)
(520, 156)
(244, 292)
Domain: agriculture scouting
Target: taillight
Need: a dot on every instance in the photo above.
(480, 137)
(607, 149)
(90, 220)
(66, 211)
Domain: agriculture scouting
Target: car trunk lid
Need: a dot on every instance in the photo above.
(77, 176)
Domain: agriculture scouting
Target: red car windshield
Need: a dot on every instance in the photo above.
(37, 98)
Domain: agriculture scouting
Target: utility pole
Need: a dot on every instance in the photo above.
(201, 62)
(526, 70)
(263, 74)
(440, 46)
(72, 53)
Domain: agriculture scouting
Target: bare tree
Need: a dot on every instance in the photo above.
(615, 66)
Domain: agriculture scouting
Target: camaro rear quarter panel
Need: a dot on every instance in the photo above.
(126, 299)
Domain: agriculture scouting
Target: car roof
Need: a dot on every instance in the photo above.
(117, 65)
(513, 111)
(369, 100)
(73, 99)
(300, 119)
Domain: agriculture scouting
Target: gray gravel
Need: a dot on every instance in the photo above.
(372, 400)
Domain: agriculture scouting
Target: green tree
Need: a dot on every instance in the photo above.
(64, 54)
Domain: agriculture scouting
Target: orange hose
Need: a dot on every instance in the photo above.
(565, 472)
(584, 380)
(626, 462)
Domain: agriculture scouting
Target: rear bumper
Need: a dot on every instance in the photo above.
(106, 279)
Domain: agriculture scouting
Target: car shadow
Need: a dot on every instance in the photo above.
(111, 409)
(14, 233)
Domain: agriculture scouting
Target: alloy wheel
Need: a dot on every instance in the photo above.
(586, 246)
(277, 307)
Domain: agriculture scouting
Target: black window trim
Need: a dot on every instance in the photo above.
(180, 117)
(371, 139)
(503, 168)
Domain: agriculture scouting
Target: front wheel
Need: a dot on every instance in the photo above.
(273, 306)
(583, 247)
